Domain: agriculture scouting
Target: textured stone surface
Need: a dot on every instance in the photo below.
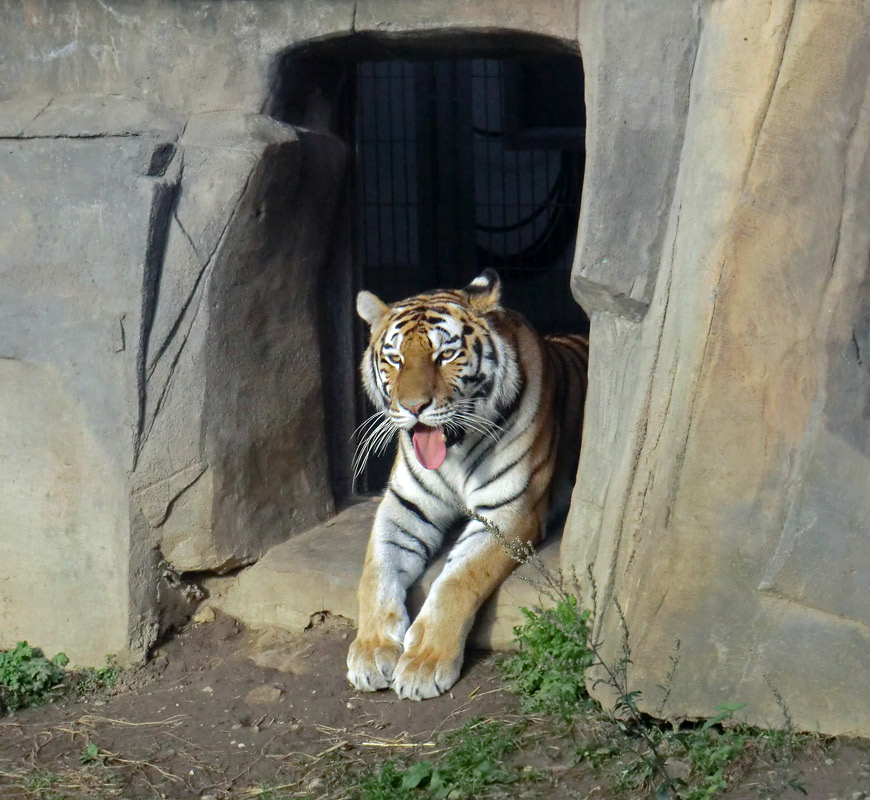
(638, 60)
(62, 500)
(320, 571)
(127, 293)
(552, 18)
(74, 224)
(230, 453)
(184, 56)
(727, 508)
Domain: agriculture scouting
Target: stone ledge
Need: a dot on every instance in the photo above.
(320, 570)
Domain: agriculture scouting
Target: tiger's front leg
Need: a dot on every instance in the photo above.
(402, 543)
(434, 646)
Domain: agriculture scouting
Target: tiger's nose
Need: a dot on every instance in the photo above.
(419, 407)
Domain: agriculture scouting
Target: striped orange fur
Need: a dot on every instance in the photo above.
(488, 416)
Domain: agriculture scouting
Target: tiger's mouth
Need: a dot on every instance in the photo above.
(430, 445)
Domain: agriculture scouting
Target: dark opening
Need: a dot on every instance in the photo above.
(464, 164)
(465, 157)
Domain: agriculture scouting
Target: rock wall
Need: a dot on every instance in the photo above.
(165, 248)
(723, 493)
(161, 376)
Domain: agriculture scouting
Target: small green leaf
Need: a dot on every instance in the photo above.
(417, 774)
(726, 711)
(438, 787)
(485, 768)
(60, 660)
(90, 754)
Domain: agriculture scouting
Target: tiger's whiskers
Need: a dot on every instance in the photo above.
(374, 436)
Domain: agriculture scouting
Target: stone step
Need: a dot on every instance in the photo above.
(319, 570)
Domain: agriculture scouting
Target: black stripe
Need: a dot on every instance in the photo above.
(508, 411)
(482, 440)
(576, 358)
(466, 536)
(450, 490)
(505, 502)
(561, 389)
(406, 549)
(447, 486)
(483, 454)
(485, 390)
(551, 447)
(510, 499)
(560, 357)
(575, 350)
(413, 508)
(427, 551)
(416, 478)
(508, 468)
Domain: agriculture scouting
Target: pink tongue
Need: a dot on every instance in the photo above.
(429, 446)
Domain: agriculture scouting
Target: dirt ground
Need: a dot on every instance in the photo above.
(203, 720)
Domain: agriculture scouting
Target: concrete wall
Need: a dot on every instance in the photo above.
(159, 239)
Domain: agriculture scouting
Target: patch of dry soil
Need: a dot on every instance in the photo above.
(204, 720)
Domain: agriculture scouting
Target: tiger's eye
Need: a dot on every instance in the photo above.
(446, 356)
(393, 358)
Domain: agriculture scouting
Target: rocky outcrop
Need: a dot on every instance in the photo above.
(723, 488)
(161, 379)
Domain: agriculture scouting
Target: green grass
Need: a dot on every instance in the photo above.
(471, 764)
(632, 752)
(40, 780)
(94, 679)
(27, 677)
(549, 670)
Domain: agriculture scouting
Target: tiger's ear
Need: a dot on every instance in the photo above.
(370, 308)
(484, 292)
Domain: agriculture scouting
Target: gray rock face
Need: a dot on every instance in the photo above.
(161, 392)
(74, 222)
(723, 486)
(230, 449)
(165, 249)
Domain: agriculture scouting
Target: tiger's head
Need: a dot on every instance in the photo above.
(437, 366)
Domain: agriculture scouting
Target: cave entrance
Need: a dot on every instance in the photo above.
(465, 155)
(463, 164)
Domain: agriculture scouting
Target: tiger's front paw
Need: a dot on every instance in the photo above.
(427, 668)
(371, 662)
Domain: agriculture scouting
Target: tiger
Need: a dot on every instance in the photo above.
(488, 416)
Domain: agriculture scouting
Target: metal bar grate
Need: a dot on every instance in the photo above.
(444, 191)
(454, 174)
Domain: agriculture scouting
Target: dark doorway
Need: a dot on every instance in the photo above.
(464, 164)
(471, 163)
(468, 153)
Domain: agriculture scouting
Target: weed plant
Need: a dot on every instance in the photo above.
(472, 764)
(549, 670)
(27, 677)
(94, 679)
(558, 655)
